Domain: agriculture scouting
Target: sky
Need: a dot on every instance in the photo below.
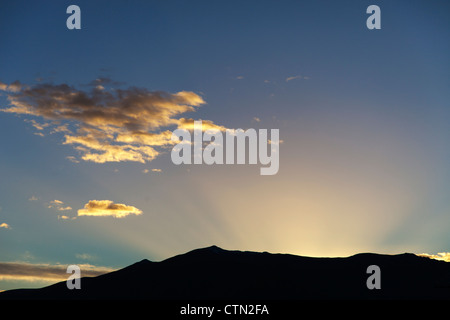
(86, 118)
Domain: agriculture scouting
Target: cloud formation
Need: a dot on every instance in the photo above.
(104, 208)
(105, 124)
(443, 256)
(59, 205)
(35, 272)
(5, 225)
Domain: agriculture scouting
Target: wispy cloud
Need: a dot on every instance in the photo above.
(5, 225)
(104, 208)
(443, 256)
(153, 170)
(59, 205)
(85, 256)
(188, 124)
(293, 78)
(102, 123)
(64, 217)
(38, 126)
(275, 142)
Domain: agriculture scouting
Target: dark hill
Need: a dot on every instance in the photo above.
(214, 273)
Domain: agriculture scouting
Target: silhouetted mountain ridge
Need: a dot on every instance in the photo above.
(215, 273)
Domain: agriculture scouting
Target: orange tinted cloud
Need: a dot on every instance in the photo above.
(106, 124)
(443, 256)
(35, 272)
(104, 208)
(188, 124)
(58, 205)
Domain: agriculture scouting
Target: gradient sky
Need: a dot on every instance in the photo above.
(363, 115)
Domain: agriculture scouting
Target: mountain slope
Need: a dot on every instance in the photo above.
(214, 273)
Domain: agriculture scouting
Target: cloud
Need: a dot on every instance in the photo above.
(33, 198)
(146, 138)
(13, 87)
(256, 119)
(72, 159)
(443, 256)
(85, 256)
(101, 150)
(103, 208)
(275, 142)
(64, 217)
(153, 170)
(35, 272)
(188, 124)
(59, 205)
(5, 225)
(38, 126)
(102, 123)
(293, 78)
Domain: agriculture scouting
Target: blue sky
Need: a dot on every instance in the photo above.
(363, 115)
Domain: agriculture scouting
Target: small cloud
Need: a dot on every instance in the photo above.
(153, 170)
(443, 256)
(13, 87)
(40, 134)
(72, 159)
(103, 208)
(63, 217)
(37, 125)
(59, 205)
(240, 77)
(266, 81)
(273, 142)
(293, 78)
(256, 119)
(5, 225)
(33, 198)
(85, 256)
(60, 128)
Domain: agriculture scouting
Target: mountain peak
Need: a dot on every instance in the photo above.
(215, 249)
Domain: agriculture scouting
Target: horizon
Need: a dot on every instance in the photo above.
(56, 273)
(87, 116)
